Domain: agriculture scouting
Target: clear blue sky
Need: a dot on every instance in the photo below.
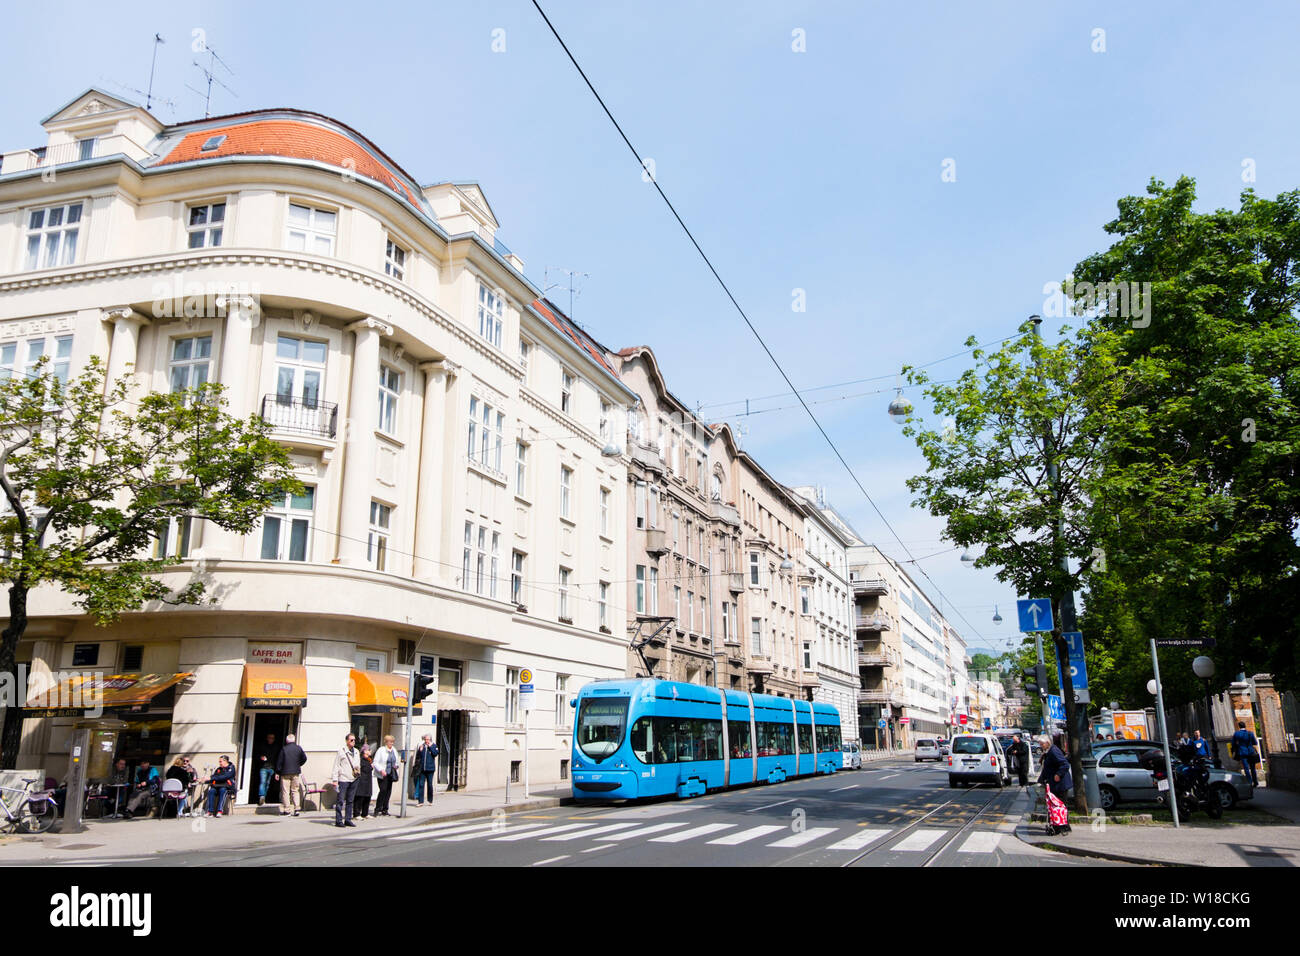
(818, 170)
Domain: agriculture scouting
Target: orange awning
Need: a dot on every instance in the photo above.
(274, 685)
(78, 693)
(376, 693)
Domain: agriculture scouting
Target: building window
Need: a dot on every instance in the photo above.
(377, 542)
(803, 599)
(394, 260)
(52, 236)
(753, 568)
(807, 657)
(605, 408)
(690, 611)
(604, 511)
(191, 362)
(496, 564)
(86, 148)
(566, 392)
(488, 428)
(467, 555)
(677, 604)
(174, 538)
(726, 621)
(299, 370)
(756, 636)
(525, 353)
(480, 560)
(311, 230)
(566, 483)
(653, 584)
(286, 529)
(704, 617)
(517, 577)
(491, 309)
(206, 224)
(602, 605)
(564, 769)
(521, 468)
(32, 351)
(512, 704)
(514, 770)
(390, 387)
(640, 588)
(564, 596)
(640, 494)
(677, 533)
(562, 702)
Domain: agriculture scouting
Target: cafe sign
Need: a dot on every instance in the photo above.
(274, 653)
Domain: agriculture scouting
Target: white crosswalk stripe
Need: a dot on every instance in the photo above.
(590, 833)
(644, 831)
(985, 841)
(693, 833)
(918, 841)
(478, 834)
(537, 833)
(431, 833)
(744, 836)
(859, 840)
(799, 839)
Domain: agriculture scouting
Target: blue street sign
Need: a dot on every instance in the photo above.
(1055, 707)
(1078, 667)
(1035, 615)
(881, 723)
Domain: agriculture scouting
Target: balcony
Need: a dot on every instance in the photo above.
(300, 417)
(880, 696)
(872, 622)
(735, 582)
(760, 664)
(656, 541)
(867, 586)
(724, 512)
(22, 160)
(874, 658)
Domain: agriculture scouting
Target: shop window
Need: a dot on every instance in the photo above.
(132, 657)
(85, 655)
(514, 770)
(564, 770)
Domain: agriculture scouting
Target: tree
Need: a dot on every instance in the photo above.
(1200, 507)
(88, 477)
(1011, 469)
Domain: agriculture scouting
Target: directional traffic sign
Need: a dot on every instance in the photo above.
(1078, 667)
(1035, 615)
(1186, 642)
(1055, 707)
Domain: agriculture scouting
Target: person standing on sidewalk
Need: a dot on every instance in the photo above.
(346, 770)
(1020, 753)
(1245, 748)
(1200, 745)
(386, 764)
(426, 765)
(365, 785)
(288, 770)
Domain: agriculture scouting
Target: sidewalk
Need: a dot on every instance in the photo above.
(1264, 831)
(106, 840)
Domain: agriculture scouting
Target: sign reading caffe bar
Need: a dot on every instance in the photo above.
(274, 653)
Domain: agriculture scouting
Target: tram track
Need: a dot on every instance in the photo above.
(902, 834)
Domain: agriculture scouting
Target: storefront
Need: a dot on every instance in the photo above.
(272, 694)
(375, 700)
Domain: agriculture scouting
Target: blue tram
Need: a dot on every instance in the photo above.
(646, 738)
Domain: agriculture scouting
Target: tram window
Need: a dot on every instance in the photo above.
(642, 739)
(738, 735)
(600, 725)
(805, 738)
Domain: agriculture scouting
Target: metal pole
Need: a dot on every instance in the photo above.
(1164, 734)
(410, 714)
(527, 720)
(1209, 722)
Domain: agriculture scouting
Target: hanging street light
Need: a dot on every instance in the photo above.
(997, 618)
(900, 408)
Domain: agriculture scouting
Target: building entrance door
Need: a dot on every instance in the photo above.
(451, 750)
(257, 724)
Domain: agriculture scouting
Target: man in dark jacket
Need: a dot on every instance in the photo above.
(288, 770)
(221, 784)
(1245, 747)
(1020, 756)
(426, 765)
(1056, 769)
(264, 760)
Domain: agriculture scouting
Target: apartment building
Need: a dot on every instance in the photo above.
(462, 512)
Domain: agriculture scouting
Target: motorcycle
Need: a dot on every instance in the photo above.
(1191, 784)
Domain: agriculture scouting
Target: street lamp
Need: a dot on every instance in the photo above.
(967, 558)
(900, 408)
(997, 618)
(1203, 668)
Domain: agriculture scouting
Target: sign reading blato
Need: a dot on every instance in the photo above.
(274, 653)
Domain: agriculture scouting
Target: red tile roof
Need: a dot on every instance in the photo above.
(293, 139)
(580, 338)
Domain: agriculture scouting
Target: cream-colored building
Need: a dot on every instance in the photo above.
(459, 518)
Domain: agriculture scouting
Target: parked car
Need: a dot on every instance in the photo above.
(977, 758)
(945, 746)
(927, 748)
(852, 755)
(1121, 780)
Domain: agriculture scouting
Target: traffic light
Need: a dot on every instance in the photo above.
(423, 687)
(1035, 679)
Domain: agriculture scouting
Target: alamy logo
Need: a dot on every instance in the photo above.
(76, 909)
(70, 691)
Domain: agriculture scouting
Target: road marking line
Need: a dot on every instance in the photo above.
(429, 833)
(693, 832)
(486, 833)
(859, 840)
(799, 839)
(537, 833)
(918, 841)
(586, 833)
(769, 806)
(644, 831)
(744, 836)
(981, 842)
(887, 776)
(553, 859)
(852, 787)
(596, 848)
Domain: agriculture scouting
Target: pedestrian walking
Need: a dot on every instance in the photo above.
(386, 763)
(365, 786)
(1245, 747)
(1056, 769)
(344, 773)
(264, 760)
(288, 770)
(426, 766)
(1020, 757)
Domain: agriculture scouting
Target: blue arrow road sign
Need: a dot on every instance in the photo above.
(1035, 615)
(1078, 668)
(1055, 707)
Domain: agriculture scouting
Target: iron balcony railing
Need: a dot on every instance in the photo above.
(299, 416)
(870, 586)
(872, 622)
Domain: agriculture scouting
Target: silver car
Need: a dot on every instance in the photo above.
(1121, 779)
(852, 755)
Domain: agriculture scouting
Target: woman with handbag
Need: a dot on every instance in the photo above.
(365, 785)
(386, 763)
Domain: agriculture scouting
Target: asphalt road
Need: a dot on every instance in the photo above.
(897, 814)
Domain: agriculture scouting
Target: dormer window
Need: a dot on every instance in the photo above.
(212, 143)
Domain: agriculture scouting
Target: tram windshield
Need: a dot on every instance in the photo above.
(601, 723)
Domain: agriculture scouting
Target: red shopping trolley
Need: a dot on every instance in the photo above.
(1058, 817)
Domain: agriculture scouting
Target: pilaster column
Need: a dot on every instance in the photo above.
(125, 344)
(427, 565)
(359, 432)
(243, 314)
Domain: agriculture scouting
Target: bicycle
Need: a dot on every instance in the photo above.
(37, 812)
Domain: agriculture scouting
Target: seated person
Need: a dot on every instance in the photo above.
(222, 782)
(144, 789)
(178, 771)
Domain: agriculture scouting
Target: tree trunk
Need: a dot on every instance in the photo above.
(11, 738)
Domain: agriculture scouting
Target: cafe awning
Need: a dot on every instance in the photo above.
(370, 692)
(274, 685)
(461, 702)
(78, 693)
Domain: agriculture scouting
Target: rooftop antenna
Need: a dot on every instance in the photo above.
(574, 292)
(157, 42)
(162, 100)
(209, 72)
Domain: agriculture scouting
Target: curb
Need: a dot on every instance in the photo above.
(1069, 850)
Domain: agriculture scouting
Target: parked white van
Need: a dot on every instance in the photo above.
(977, 758)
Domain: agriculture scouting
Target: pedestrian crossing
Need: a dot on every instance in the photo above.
(833, 839)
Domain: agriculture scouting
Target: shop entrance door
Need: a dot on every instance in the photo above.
(451, 751)
(257, 724)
